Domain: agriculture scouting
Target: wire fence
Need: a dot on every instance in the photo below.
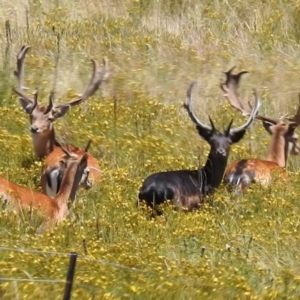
(69, 282)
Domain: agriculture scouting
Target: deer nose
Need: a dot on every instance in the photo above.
(221, 151)
(34, 128)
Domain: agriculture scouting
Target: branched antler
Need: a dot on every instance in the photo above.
(230, 88)
(100, 74)
(188, 106)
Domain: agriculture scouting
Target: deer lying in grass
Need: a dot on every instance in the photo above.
(56, 209)
(42, 127)
(242, 173)
(187, 188)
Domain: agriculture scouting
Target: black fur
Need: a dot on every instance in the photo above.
(161, 186)
(187, 188)
(180, 184)
(59, 177)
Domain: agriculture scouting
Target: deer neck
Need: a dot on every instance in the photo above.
(213, 171)
(277, 150)
(64, 193)
(43, 143)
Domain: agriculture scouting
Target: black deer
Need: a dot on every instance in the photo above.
(187, 188)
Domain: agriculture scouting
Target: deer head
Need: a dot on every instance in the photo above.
(71, 161)
(42, 117)
(220, 142)
(70, 157)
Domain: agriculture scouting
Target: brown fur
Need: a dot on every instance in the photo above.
(42, 117)
(278, 146)
(263, 171)
(283, 141)
(186, 202)
(53, 209)
(55, 156)
(262, 167)
(190, 202)
(45, 145)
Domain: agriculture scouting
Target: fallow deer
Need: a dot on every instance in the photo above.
(54, 209)
(242, 173)
(42, 128)
(188, 188)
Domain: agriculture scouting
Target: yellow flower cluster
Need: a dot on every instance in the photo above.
(233, 248)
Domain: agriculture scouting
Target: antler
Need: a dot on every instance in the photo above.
(252, 113)
(187, 105)
(99, 75)
(66, 151)
(230, 87)
(19, 73)
(252, 116)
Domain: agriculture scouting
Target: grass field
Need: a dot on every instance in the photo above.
(239, 248)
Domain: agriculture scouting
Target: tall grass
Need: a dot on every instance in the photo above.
(240, 248)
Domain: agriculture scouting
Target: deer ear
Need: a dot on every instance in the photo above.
(204, 133)
(237, 136)
(83, 160)
(60, 112)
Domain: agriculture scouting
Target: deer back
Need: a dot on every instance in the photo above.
(21, 197)
(242, 173)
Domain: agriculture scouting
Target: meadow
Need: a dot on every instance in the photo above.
(238, 248)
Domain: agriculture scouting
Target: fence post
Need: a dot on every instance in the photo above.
(70, 276)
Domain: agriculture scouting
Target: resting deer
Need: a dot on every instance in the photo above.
(187, 188)
(283, 141)
(42, 127)
(56, 209)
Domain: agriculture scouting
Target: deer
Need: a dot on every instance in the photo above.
(188, 188)
(42, 119)
(56, 209)
(283, 141)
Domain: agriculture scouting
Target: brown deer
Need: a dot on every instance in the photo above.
(242, 173)
(187, 188)
(54, 209)
(42, 128)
